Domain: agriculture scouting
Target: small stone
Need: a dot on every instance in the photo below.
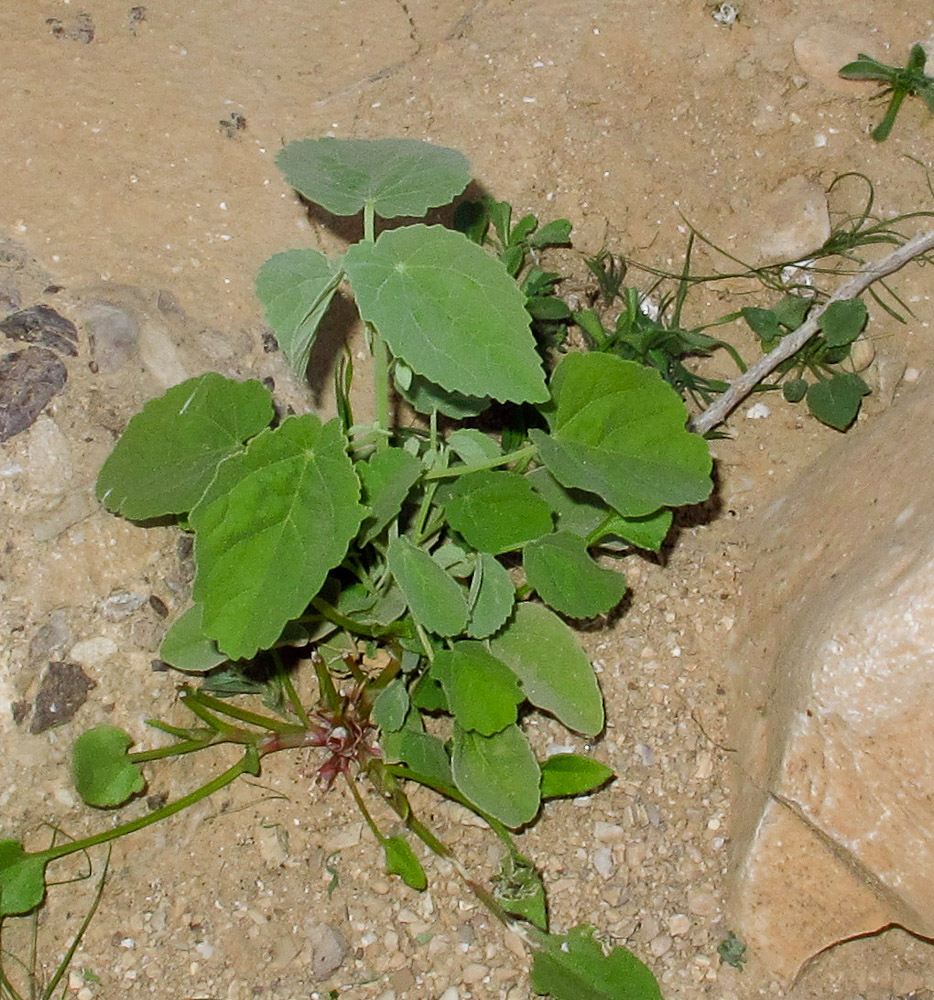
(329, 947)
(121, 605)
(603, 861)
(787, 224)
(347, 836)
(824, 48)
(113, 334)
(704, 904)
(28, 381)
(911, 375)
(758, 411)
(64, 689)
(474, 973)
(660, 945)
(93, 652)
(608, 833)
(450, 993)
(678, 924)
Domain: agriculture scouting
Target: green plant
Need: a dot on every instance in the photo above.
(909, 80)
(732, 952)
(425, 569)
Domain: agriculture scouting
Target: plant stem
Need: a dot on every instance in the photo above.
(742, 386)
(529, 451)
(248, 764)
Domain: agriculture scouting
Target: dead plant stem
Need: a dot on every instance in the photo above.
(742, 386)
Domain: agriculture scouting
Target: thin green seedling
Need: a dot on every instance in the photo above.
(421, 571)
(897, 83)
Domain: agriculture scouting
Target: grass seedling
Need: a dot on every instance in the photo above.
(900, 82)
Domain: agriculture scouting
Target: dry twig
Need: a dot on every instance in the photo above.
(740, 387)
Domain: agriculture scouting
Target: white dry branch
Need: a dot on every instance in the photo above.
(740, 387)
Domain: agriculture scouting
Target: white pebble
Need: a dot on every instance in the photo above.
(758, 411)
(911, 375)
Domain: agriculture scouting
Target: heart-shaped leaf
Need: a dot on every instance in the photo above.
(22, 879)
(496, 511)
(449, 310)
(103, 774)
(396, 176)
(275, 521)
(618, 430)
(842, 322)
(170, 450)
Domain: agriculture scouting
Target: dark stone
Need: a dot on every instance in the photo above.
(42, 325)
(64, 689)
(28, 380)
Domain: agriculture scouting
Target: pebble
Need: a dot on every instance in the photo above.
(660, 945)
(608, 833)
(49, 465)
(602, 859)
(678, 924)
(93, 652)
(474, 973)
(329, 947)
(787, 224)
(113, 334)
(704, 904)
(451, 993)
(758, 411)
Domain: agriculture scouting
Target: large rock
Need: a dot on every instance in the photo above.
(834, 715)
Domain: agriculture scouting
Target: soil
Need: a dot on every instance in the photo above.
(138, 169)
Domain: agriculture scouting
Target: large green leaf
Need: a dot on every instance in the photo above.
(170, 450)
(554, 671)
(104, 775)
(433, 596)
(492, 597)
(573, 966)
(618, 430)
(498, 773)
(449, 310)
(496, 511)
(559, 567)
(296, 288)
(482, 692)
(396, 176)
(274, 522)
(22, 879)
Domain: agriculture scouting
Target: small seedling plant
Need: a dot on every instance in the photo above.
(425, 570)
(900, 82)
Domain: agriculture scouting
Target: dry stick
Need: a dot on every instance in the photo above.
(743, 385)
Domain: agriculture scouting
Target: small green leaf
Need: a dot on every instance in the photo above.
(433, 596)
(401, 861)
(573, 966)
(554, 671)
(275, 521)
(519, 890)
(449, 310)
(483, 694)
(296, 288)
(186, 647)
(618, 430)
(495, 597)
(423, 753)
(560, 569)
(170, 450)
(836, 401)
(764, 323)
(498, 773)
(391, 706)
(473, 447)
(571, 774)
(842, 322)
(497, 512)
(22, 879)
(103, 774)
(552, 234)
(428, 695)
(794, 390)
(647, 532)
(387, 478)
(791, 310)
(396, 176)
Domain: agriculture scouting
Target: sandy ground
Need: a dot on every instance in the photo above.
(122, 164)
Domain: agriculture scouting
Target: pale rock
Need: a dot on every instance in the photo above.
(328, 948)
(834, 701)
(93, 652)
(823, 48)
(787, 224)
(49, 463)
(660, 945)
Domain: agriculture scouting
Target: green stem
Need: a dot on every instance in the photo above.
(361, 805)
(248, 764)
(265, 722)
(523, 454)
(378, 347)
